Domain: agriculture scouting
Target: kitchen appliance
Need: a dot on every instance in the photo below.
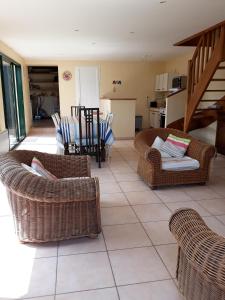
(162, 117)
(179, 82)
(152, 103)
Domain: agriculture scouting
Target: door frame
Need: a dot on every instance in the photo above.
(16, 100)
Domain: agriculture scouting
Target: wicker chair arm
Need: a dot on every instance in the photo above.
(204, 249)
(202, 152)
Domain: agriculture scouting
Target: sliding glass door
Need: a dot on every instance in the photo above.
(13, 101)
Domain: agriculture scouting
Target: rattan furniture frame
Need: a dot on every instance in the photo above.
(149, 163)
(201, 257)
(51, 210)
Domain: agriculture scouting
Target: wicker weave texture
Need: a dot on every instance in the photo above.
(149, 163)
(201, 257)
(51, 210)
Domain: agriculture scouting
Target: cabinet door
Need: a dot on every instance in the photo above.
(164, 82)
(161, 80)
(157, 83)
(151, 115)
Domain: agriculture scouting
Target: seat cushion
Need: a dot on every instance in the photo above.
(175, 146)
(180, 164)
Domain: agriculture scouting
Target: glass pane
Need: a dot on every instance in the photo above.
(9, 103)
(19, 101)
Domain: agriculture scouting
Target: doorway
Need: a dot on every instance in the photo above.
(12, 90)
(87, 86)
(44, 94)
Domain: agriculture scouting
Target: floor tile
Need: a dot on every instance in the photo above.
(173, 195)
(190, 204)
(133, 186)
(216, 225)
(144, 197)
(168, 254)
(109, 187)
(158, 290)
(125, 236)
(102, 294)
(113, 199)
(5, 209)
(215, 206)
(118, 215)
(41, 298)
(131, 176)
(152, 212)
(121, 169)
(199, 192)
(83, 272)
(221, 218)
(28, 277)
(159, 232)
(137, 265)
(81, 245)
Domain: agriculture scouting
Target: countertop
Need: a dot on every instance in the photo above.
(108, 98)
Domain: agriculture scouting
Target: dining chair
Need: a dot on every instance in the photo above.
(56, 119)
(89, 142)
(75, 110)
(109, 119)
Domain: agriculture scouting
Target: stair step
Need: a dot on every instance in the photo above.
(215, 90)
(201, 109)
(212, 100)
(218, 79)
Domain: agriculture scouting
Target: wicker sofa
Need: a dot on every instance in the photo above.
(149, 163)
(201, 257)
(51, 210)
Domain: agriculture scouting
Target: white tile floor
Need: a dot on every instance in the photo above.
(135, 256)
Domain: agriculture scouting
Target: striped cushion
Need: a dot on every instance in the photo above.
(38, 167)
(175, 146)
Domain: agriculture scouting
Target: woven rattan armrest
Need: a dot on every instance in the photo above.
(204, 249)
(202, 152)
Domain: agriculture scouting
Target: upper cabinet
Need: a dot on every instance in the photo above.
(163, 82)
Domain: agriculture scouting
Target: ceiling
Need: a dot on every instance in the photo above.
(106, 29)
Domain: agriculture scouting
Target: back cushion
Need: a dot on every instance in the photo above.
(38, 167)
(175, 146)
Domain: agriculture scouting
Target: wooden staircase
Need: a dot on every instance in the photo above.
(206, 79)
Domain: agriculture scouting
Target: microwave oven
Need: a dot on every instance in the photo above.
(179, 82)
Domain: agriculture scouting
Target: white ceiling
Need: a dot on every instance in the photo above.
(44, 29)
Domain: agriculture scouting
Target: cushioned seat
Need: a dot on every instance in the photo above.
(180, 164)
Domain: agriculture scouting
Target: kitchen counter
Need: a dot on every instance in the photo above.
(123, 110)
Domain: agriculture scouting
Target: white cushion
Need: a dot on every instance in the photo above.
(28, 168)
(157, 144)
(38, 167)
(180, 164)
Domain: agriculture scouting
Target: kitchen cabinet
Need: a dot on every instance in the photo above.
(154, 117)
(163, 82)
(123, 109)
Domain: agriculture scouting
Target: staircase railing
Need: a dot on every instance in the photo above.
(202, 66)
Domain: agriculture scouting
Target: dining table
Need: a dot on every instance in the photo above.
(68, 131)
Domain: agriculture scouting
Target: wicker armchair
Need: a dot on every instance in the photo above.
(201, 257)
(149, 164)
(51, 210)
